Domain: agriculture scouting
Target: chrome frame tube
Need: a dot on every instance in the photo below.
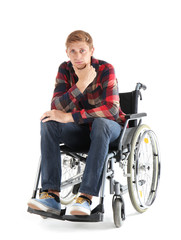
(105, 175)
(37, 179)
(72, 181)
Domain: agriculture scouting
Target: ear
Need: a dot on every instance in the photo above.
(92, 51)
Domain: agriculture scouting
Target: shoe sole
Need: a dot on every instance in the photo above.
(41, 207)
(79, 211)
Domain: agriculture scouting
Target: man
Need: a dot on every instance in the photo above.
(85, 112)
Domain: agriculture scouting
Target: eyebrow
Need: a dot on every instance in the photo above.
(79, 48)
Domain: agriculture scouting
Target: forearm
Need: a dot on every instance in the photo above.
(108, 110)
(66, 101)
(66, 94)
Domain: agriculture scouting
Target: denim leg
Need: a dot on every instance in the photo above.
(50, 156)
(52, 133)
(103, 133)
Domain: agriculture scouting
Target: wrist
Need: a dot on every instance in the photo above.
(81, 86)
(69, 117)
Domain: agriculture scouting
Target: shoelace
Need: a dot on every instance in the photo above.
(81, 199)
(44, 195)
(47, 195)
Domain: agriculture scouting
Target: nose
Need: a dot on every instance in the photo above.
(77, 56)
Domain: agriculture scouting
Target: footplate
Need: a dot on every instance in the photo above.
(96, 215)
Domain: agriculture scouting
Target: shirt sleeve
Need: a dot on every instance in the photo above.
(65, 97)
(110, 100)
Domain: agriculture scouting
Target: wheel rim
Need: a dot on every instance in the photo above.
(147, 168)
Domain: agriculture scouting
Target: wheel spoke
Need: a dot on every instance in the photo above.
(143, 167)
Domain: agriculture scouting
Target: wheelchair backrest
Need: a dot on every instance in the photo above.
(129, 104)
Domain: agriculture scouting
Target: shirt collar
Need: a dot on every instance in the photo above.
(95, 63)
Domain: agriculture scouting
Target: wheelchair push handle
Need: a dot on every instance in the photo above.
(140, 86)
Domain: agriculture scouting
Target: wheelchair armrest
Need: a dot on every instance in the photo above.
(128, 117)
(135, 115)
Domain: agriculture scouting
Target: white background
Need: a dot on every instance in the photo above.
(142, 39)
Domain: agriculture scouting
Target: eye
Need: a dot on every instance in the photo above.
(82, 50)
(72, 51)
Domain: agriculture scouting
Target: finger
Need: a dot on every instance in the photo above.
(88, 65)
(43, 116)
(46, 119)
(93, 71)
(46, 114)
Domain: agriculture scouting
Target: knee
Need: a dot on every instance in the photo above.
(45, 126)
(100, 127)
(48, 127)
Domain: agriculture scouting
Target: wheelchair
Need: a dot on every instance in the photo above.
(138, 157)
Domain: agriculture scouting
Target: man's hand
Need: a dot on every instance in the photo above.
(58, 116)
(85, 76)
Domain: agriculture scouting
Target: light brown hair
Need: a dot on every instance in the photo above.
(79, 36)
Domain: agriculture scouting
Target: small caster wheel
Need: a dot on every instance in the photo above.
(118, 211)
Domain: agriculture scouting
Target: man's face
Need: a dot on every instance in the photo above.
(79, 54)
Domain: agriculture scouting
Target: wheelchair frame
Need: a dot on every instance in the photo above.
(120, 155)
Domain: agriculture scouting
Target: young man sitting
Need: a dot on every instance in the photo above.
(85, 112)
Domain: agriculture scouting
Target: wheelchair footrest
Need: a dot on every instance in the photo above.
(95, 216)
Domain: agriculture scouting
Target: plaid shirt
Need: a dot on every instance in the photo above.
(100, 98)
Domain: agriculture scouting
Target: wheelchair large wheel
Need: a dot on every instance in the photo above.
(143, 168)
(70, 169)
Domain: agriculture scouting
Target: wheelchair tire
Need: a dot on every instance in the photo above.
(117, 211)
(143, 168)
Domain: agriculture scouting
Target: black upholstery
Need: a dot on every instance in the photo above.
(129, 104)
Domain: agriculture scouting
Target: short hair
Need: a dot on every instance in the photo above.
(79, 36)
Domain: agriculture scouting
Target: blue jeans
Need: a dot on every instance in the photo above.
(104, 132)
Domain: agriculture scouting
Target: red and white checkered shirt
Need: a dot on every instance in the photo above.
(100, 98)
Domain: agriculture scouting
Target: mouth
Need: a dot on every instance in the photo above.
(79, 62)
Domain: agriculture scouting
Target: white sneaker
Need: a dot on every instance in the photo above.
(81, 206)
